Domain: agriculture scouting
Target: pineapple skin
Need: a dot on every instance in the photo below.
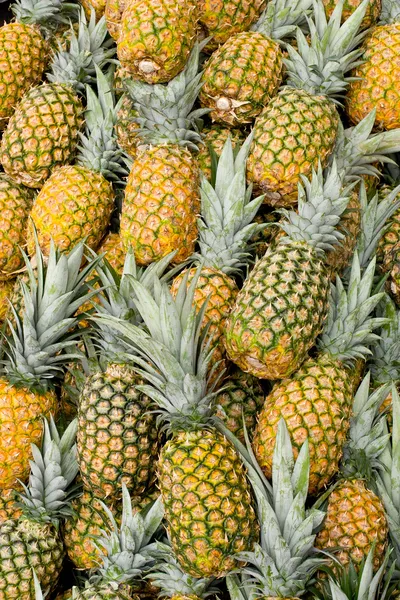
(350, 225)
(106, 592)
(207, 500)
(24, 545)
(21, 424)
(215, 137)
(349, 6)
(114, 251)
(222, 19)
(161, 204)
(391, 237)
(74, 203)
(221, 291)
(15, 204)
(315, 403)
(126, 128)
(113, 13)
(242, 75)
(118, 439)
(42, 134)
(99, 7)
(156, 38)
(379, 74)
(279, 312)
(6, 291)
(23, 59)
(355, 520)
(8, 503)
(293, 132)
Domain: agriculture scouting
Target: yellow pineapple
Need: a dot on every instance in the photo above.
(155, 38)
(214, 139)
(99, 7)
(6, 291)
(349, 6)
(113, 14)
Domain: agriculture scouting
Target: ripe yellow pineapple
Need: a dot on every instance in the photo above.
(43, 132)
(76, 202)
(6, 290)
(114, 251)
(297, 129)
(113, 14)
(161, 203)
(156, 38)
(349, 6)
(99, 7)
(214, 138)
(376, 78)
(316, 401)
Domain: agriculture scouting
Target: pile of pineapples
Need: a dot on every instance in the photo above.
(200, 300)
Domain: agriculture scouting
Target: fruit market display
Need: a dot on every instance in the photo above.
(200, 300)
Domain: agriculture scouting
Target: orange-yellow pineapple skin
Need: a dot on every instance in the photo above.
(378, 76)
(215, 138)
(155, 38)
(355, 520)
(99, 7)
(9, 508)
(23, 58)
(21, 424)
(6, 290)
(74, 203)
(315, 403)
(350, 224)
(114, 252)
(126, 127)
(241, 77)
(222, 291)
(222, 19)
(349, 6)
(161, 204)
(113, 13)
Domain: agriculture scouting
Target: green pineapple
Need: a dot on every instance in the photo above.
(208, 507)
(284, 561)
(33, 540)
(43, 132)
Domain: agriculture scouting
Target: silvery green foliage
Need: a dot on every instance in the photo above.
(38, 590)
(284, 560)
(165, 112)
(348, 331)
(48, 495)
(390, 12)
(320, 66)
(385, 359)
(281, 17)
(321, 203)
(388, 481)
(126, 550)
(227, 212)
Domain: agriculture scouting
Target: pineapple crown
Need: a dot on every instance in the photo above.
(283, 562)
(390, 12)
(368, 435)
(281, 17)
(92, 46)
(356, 149)
(388, 479)
(38, 589)
(169, 577)
(99, 150)
(47, 498)
(349, 327)
(165, 112)
(127, 550)
(321, 202)
(48, 14)
(227, 212)
(385, 360)
(118, 298)
(374, 217)
(174, 356)
(56, 289)
(319, 67)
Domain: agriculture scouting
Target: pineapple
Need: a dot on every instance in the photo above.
(316, 401)
(349, 6)
(282, 306)
(355, 518)
(282, 564)
(34, 356)
(9, 508)
(99, 7)
(225, 18)
(298, 128)
(214, 139)
(126, 127)
(224, 231)
(113, 12)
(6, 290)
(33, 540)
(76, 201)
(24, 49)
(118, 438)
(375, 79)
(43, 132)
(202, 481)
(88, 520)
(155, 38)
(15, 204)
(161, 201)
(125, 552)
(114, 252)
(246, 71)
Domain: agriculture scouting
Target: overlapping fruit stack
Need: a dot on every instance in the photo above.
(200, 294)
